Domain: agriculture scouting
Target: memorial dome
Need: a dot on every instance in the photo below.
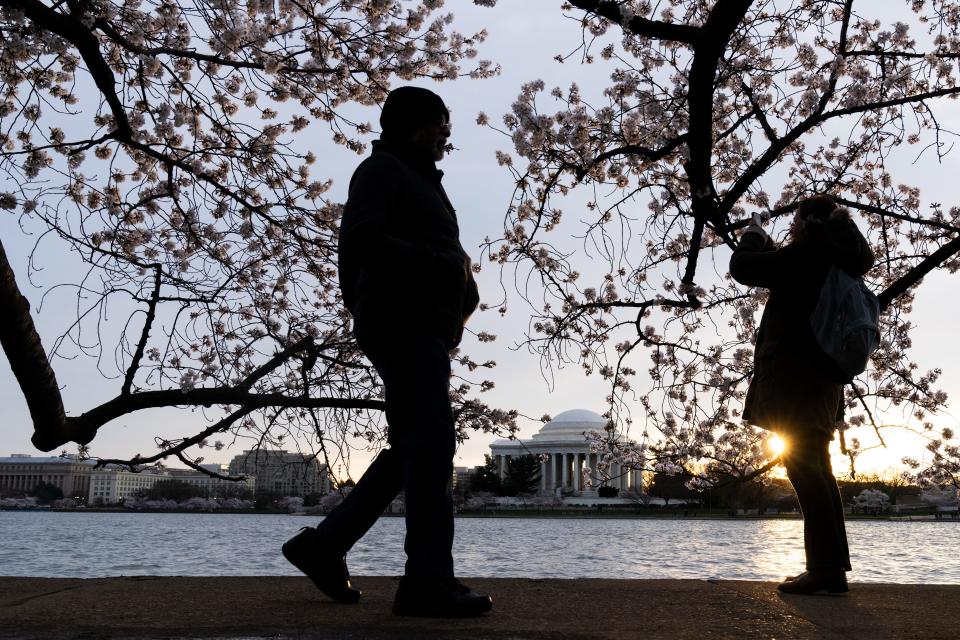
(570, 426)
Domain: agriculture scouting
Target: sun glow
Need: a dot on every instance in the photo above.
(777, 445)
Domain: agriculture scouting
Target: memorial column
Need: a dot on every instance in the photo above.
(574, 462)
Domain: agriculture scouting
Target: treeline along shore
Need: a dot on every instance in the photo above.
(598, 511)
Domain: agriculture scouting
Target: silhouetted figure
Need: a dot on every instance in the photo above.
(407, 282)
(797, 390)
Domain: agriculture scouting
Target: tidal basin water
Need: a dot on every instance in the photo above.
(88, 545)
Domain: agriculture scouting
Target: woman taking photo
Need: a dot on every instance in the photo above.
(797, 390)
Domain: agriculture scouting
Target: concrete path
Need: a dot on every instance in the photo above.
(286, 608)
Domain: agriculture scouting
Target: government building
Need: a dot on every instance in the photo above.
(80, 480)
(282, 473)
(115, 485)
(20, 473)
(563, 440)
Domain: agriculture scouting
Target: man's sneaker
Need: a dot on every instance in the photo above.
(328, 571)
(438, 598)
(816, 583)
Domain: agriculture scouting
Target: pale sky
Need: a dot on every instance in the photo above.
(524, 38)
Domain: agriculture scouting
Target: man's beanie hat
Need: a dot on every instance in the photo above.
(407, 108)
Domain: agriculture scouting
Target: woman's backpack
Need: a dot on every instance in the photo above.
(845, 322)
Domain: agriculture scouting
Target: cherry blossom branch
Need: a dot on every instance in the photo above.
(863, 403)
(72, 30)
(119, 38)
(178, 449)
(637, 25)
(144, 335)
(648, 154)
(949, 55)
(916, 274)
(887, 213)
(205, 471)
(207, 397)
(274, 362)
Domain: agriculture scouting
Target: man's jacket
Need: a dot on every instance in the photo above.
(402, 267)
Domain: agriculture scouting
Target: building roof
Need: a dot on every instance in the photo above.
(28, 459)
(570, 425)
(567, 427)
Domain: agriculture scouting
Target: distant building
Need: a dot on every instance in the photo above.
(566, 456)
(462, 478)
(110, 486)
(282, 473)
(20, 473)
(215, 487)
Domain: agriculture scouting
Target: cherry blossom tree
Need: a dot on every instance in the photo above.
(872, 499)
(941, 497)
(942, 469)
(154, 141)
(715, 110)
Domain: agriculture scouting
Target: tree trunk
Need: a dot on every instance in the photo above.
(28, 360)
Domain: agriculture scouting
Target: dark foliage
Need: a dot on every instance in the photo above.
(172, 489)
(522, 476)
(487, 477)
(46, 492)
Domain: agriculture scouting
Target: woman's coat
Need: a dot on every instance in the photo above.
(795, 387)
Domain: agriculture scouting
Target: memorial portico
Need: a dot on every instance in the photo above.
(567, 455)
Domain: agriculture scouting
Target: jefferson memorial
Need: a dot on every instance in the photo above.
(563, 439)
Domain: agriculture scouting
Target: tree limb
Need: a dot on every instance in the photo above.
(916, 274)
(709, 48)
(31, 367)
(72, 30)
(144, 335)
(640, 26)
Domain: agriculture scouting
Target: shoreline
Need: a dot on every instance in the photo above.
(544, 514)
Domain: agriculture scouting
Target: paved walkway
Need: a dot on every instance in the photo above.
(286, 608)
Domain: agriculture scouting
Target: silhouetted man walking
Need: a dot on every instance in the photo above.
(407, 281)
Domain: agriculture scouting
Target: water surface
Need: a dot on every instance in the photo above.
(87, 545)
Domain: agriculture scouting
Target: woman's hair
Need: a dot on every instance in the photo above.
(815, 216)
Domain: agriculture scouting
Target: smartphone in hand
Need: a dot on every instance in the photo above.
(758, 219)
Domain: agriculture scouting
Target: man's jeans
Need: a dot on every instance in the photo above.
(807, 459)
(415, 371)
